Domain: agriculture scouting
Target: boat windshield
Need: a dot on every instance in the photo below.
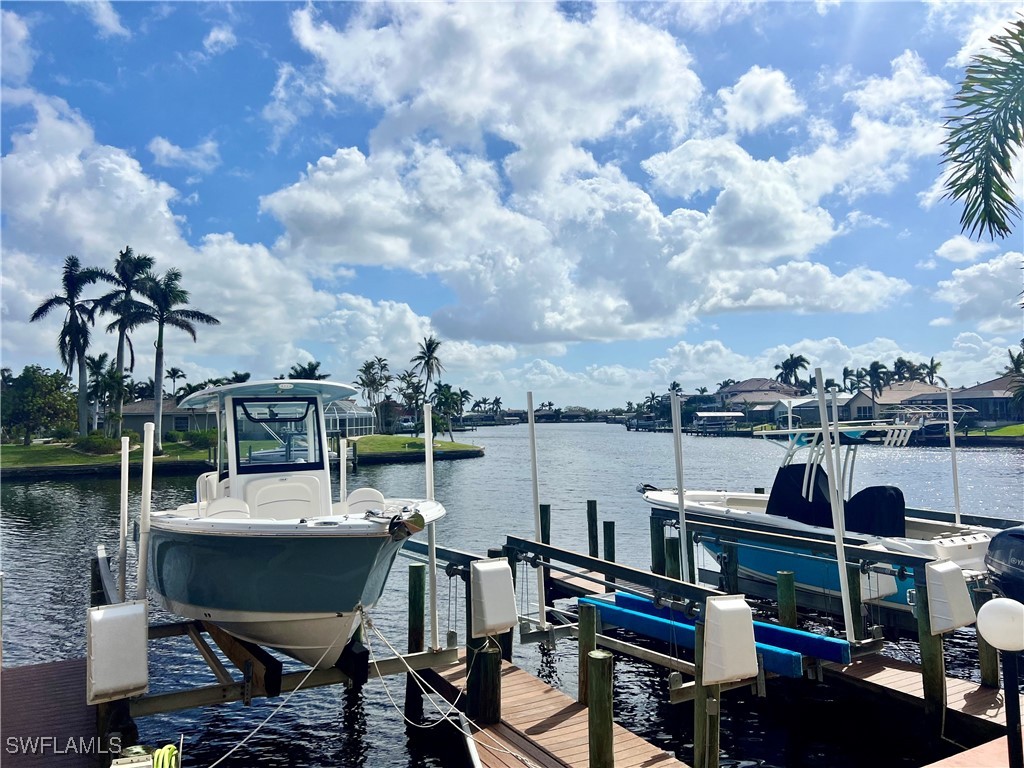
(270, 432)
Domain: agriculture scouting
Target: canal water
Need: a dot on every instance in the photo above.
(49, 530)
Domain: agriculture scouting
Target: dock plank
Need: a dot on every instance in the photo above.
(47, 701)
(545, 726)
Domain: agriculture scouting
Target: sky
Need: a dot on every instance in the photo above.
(582, 201)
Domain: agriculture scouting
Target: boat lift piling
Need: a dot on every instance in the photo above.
(147, 500)
(531, 421)
(122, 546)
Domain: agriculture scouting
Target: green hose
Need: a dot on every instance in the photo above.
(166, 757)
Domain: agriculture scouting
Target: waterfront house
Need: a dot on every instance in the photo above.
(136, 415)
(757, 398)
(993, 400)
(867, 405)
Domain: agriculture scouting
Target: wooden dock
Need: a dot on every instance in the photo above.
(544, 725)
(44, 719)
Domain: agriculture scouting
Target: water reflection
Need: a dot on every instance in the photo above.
(49, 531)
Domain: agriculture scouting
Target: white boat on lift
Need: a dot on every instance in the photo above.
(799, 505)
(265, 552)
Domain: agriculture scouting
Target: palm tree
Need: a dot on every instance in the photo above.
(97, 368)
(309, 370)
(174, 374)
(1016, 366)
(984, 138)
(130, 270)
(930, 370)
(878, 376)
(789, 369)
(496, 407)
(427, 363)
(704, 390)
(849, 379)
(168, 308)
(903, 369)
(74, 337)
(446, 403)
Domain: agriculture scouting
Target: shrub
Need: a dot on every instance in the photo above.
(97, 444)
(174, 437)
(202, 439)
(63, 433)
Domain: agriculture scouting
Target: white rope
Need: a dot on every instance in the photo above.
(283, 701)
(424, 685)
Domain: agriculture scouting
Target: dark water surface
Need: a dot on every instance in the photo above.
(49, 530)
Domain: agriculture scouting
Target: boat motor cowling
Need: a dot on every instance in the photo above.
(1005, 562)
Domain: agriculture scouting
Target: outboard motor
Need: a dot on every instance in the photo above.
(1005, 562)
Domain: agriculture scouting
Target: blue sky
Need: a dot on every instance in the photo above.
(586, 201)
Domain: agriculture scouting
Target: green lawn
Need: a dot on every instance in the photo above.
(405, 444)
(60, 454)
(1014, 430)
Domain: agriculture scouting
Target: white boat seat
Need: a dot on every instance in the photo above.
(227, 508)
(364, 499)
(283, 498)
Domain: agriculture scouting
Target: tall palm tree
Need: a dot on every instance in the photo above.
(169, 308)
(74, 337)
(496, 407)
(789, 369)
(930, 370)
(97, 368)
(878, 376)
(427, 362)
(1016, 366)
(849, 379)
(986, 134)
(130, 271)
(174, 374)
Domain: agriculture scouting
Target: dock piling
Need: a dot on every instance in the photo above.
(657, 546)
(587, 643)
(484, 687)
(785, 586)
(731, 569)
(988, 656)
(609, 552)
(933, 664)
(599, 710)
(505, 638)
(672, 557)
(592, 527)
(417, 604)
(706, 711)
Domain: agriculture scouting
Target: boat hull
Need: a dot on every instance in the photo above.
(300, 594)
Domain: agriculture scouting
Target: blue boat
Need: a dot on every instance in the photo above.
(265, 551)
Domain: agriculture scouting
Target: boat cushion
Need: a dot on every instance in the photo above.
(284, 498)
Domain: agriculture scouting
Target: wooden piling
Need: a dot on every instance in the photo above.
(672, 553)
(505, 638)
(587, 643)
(592, 527)
(933, 663)
(657, 546)
(706, 713)
(731, 569)
(599, 711)
(785, 587)
(988, 656)
(609, 552)
(417, 592)
(355, 454)
(857, 610)
(545, 537)
(484, 687)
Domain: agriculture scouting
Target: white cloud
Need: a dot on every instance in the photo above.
(205, 156)
(960, 249)
(104, 16)
(761, 97)
(17, 56)
(987, 294)
(219, 40)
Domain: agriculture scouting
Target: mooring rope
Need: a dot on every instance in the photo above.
(284, 701)
(424, 686)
